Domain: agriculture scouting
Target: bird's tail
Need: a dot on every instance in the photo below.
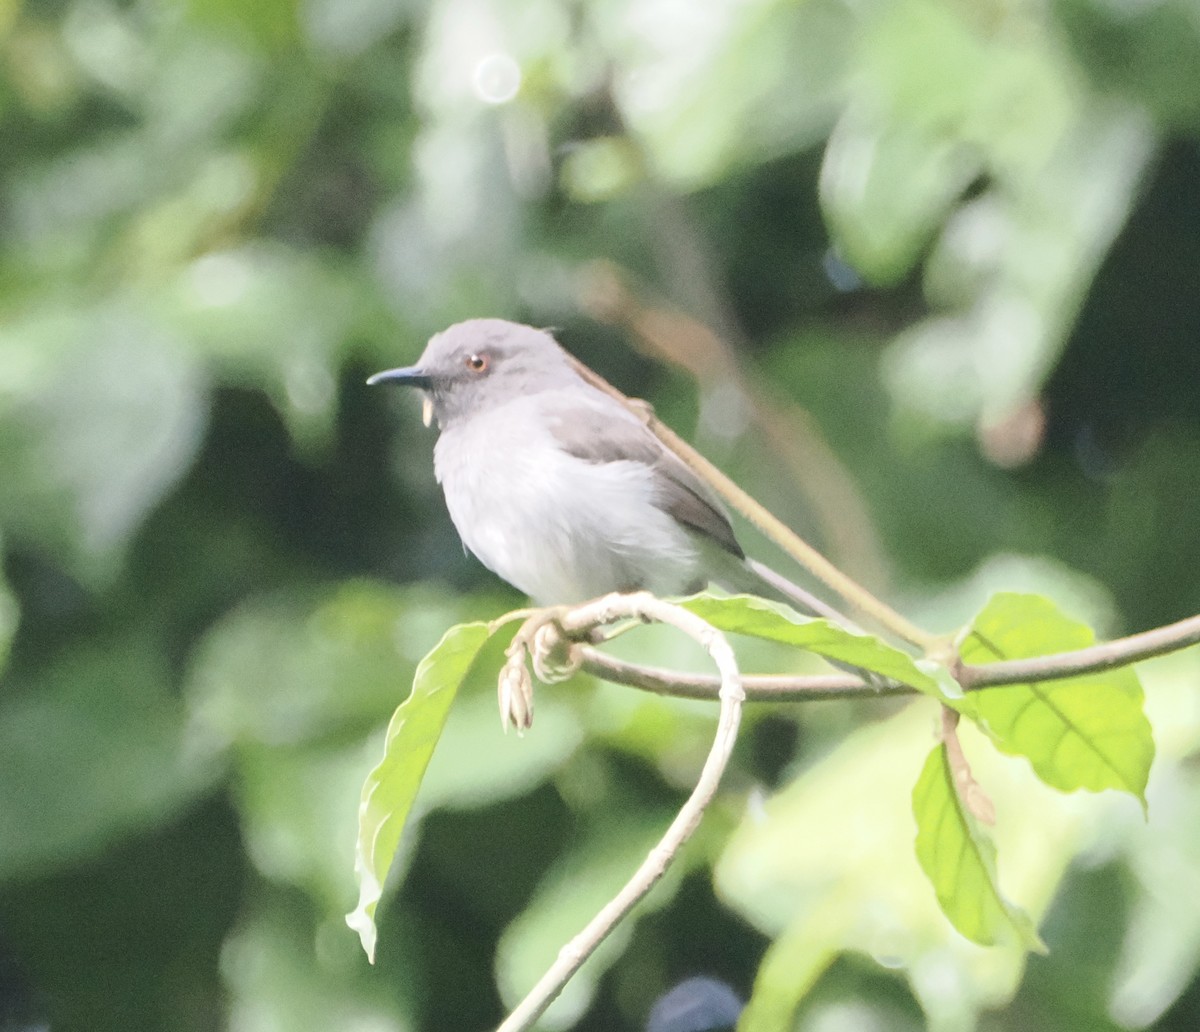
(738, 574)
(752, 577)
(794, 595)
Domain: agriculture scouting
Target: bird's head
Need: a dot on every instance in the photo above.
(482, 363)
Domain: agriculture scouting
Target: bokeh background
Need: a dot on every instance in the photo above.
(923, 275)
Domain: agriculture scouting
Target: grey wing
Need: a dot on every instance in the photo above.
(599, 430)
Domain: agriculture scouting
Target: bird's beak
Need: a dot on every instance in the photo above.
(408, 376)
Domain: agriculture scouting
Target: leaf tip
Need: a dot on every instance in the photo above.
(362, 920)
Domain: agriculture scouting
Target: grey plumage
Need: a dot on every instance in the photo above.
(595, 437)
(557, 487)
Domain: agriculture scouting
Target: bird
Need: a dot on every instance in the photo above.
(562, 491)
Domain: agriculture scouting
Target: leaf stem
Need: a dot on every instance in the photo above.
(970, 793)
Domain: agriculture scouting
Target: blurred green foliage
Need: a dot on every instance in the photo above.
(958, 243)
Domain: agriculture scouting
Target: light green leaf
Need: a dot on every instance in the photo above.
(416, 726)
(790, 62)
(476, 765)
(1161, 948)
(961, 862)
(745, 614)
(790, 968)
(856, 886)
(884, 210)
(1083, 732)
(273, 318)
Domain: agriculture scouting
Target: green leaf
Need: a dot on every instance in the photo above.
(1082, 732)
(857, 886)
(416, 726)
(961, 862)
(476, 765)
(790, 968)
(885, 211)
(1161, 948)
(758, 618)
(280, 330)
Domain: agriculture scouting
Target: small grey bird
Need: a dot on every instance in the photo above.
(561, 490)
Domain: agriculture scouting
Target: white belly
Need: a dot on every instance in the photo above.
(554, 526)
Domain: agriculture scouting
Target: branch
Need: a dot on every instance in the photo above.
(790, 688)
(758, 687)
(1093, 659)
(575, 625)
(768, 523)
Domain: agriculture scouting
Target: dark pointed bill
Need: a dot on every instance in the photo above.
(408, 376)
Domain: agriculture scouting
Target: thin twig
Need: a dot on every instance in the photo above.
(669, 334)
(576, 624)
(768, 523)
(1093, 659)
(792, 688)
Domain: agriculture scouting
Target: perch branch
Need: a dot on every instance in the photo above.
(790, 688)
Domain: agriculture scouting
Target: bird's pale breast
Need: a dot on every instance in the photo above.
(555, 526)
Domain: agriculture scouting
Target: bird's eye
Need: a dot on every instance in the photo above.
(477, 363)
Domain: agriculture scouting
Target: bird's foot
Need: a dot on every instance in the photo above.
(553, 654)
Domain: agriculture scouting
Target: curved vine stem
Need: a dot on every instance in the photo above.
(575, 624)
